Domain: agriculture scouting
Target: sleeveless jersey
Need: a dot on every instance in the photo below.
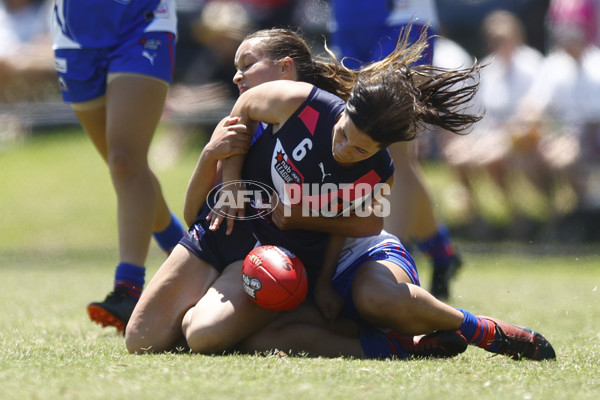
(298, 157)
(105, 23)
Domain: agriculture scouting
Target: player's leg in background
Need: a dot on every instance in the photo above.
(413, 218)
(134, 107)
(121, 126)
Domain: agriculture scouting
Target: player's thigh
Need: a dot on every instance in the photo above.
(139, 73)
(92, 117)
(82, 80)
(379, 286)
(176, 287)
(225, 315)
(134, 105)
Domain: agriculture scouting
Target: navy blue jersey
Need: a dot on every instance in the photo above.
(298, 157)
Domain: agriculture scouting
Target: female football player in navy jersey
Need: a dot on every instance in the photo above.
(114, 60)
(363, 31)
(312, 137)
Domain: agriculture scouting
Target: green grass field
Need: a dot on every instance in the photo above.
(58, 251)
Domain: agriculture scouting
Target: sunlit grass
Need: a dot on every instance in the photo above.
(58, 250)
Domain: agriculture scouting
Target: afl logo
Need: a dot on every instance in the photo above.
(240, 194)
(251, 285)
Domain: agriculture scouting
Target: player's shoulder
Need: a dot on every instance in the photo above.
(327, 100)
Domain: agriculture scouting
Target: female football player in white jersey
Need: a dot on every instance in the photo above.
(115, 60)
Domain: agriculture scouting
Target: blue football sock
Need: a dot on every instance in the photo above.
(478, 331)
(376, 344)
(439, 247)
(169, 238)
(131, 277)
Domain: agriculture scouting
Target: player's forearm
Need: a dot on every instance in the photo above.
(332, 252)
(351, 226)
(232, 168)
(203, 180)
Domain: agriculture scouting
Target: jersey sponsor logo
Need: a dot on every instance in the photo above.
(149, 56)
(285, 169)
(323, 173)
(161, 12)
(150, 44)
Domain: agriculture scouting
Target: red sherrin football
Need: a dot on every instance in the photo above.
(274, 278)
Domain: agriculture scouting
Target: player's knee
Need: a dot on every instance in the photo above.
(205, 340)
(123, 164)
(370, 304)
(136, 342)
(202, 336)
(381, 305)
(132, 343)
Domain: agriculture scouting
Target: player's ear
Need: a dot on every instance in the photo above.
(287, 66)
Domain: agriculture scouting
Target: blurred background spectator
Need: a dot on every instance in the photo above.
(26, 58)
(26, 64)
(563, 106)
(463, 20)
(491, 150)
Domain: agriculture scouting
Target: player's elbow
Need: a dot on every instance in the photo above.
(374, 227)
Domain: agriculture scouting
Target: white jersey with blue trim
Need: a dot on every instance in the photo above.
(377, 13)
(419, 11)
(105, 23)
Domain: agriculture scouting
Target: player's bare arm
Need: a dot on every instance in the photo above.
(328, 300)
(272, 103)
(228, 139)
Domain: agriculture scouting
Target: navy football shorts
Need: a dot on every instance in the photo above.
(215, 247)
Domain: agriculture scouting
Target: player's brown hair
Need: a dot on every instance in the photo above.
(389, 100)
(278, 43)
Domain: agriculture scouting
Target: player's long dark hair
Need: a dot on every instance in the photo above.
(330, 76)
(389, 100)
